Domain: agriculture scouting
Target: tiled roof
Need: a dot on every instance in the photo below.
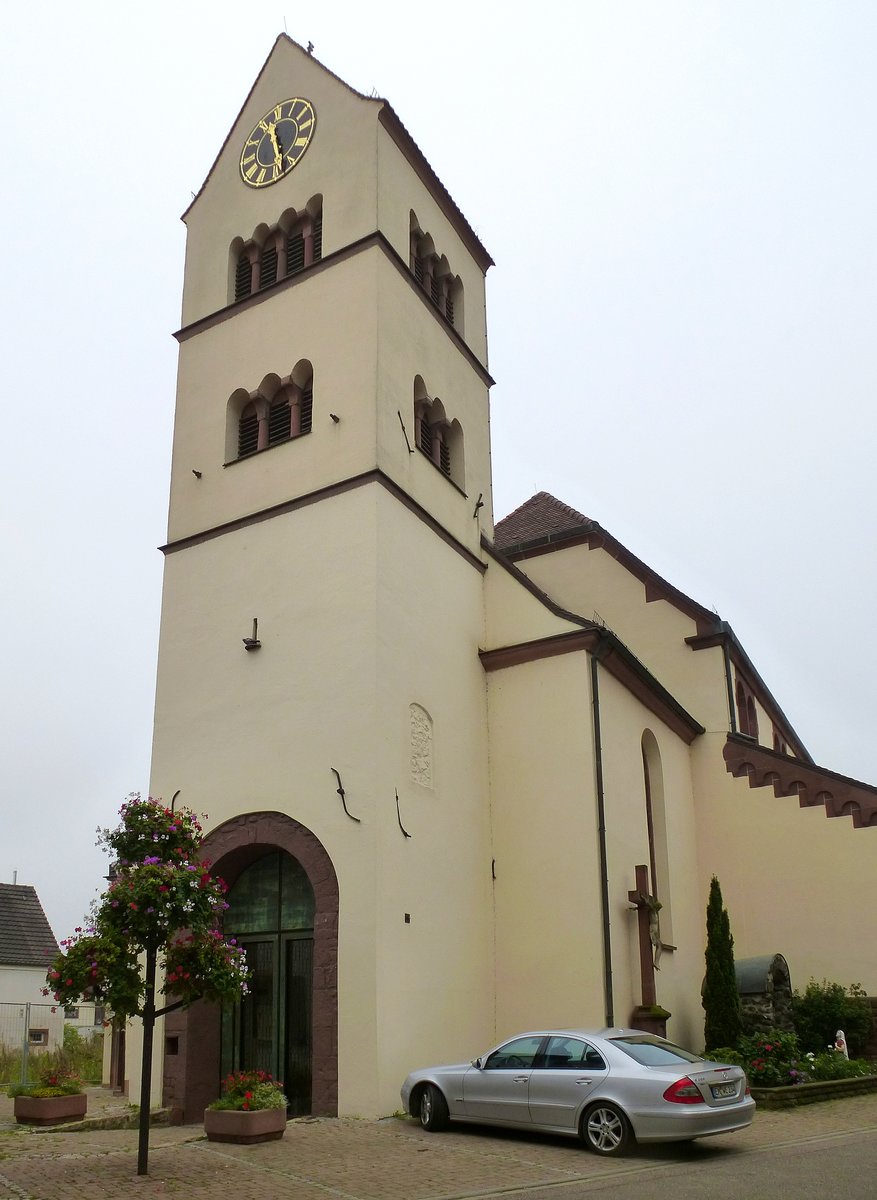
(542, 516)
(26, 939)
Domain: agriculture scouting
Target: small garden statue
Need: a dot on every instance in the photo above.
(840, 1044)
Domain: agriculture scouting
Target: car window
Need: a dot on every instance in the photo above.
(654, 1052)
(515, 1054)
(570, 1054)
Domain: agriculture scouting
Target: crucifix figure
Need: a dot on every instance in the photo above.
(647, 907)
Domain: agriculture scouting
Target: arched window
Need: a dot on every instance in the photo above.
(747, 714)
(433, 273)
(656, 825)
(280, 410)
(437, 437)
(296, 242)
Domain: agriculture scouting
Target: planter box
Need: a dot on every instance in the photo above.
(810, 1093)
(230, 1125)
(49, 1110)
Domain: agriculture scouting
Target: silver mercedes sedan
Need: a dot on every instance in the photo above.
(608, 1087)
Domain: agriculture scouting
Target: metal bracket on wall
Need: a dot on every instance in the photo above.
(399, 816)
(340, 791)
(404, 430)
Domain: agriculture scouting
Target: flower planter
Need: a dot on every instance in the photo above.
(50, 1110)
(235, 1125)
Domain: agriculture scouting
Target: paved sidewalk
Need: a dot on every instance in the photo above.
(351, 1159)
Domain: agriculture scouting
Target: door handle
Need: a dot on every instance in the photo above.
(584, 1082)
(520, 1079)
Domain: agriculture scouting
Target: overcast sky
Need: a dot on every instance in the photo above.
(680, 198)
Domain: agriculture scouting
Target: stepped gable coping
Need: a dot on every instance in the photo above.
(814, 786)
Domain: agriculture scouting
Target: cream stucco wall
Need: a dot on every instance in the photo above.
(340, 164)
(794, 881)
(349, 594)
(623, 721)
(400, 192)
(21, 985)
(592, 581)
(270, 338)
(545, 823)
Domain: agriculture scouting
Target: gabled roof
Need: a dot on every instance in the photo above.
(26, 938)
(403, 139)
(538, 520)
(544, 524)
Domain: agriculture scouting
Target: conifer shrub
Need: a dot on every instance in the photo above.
(721, 1001)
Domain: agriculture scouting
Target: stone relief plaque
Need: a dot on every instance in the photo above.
(420, 724)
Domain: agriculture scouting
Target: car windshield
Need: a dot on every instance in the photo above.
(653, 1052)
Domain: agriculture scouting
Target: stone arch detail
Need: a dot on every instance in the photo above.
(191, 1075)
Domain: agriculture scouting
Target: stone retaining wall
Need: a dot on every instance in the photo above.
(810, 1093)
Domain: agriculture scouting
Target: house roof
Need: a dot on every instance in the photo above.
(26, 938)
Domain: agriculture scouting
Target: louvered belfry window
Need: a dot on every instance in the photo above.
(426, 437)
(434, 290)
(243, 278)
(318, 237)
(307, 409)
(248, 432)
(279, 421)
(445, 457)
(295, 252)
(449, 308)
(418, 269)
(268, 267)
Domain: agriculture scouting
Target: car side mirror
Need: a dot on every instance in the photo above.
(476, 1062)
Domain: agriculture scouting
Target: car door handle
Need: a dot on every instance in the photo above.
(520, 1079)
(584, 1082)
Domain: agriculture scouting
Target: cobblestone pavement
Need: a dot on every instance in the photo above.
(351, 1159)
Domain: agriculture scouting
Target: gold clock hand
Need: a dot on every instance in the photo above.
(272, 133)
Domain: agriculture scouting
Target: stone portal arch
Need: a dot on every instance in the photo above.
(192, 1036)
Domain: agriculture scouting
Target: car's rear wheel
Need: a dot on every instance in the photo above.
(433, 1109)
(606, 1130)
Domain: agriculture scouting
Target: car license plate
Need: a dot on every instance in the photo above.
(721, 1090)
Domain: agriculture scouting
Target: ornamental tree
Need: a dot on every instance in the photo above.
(159, 918)
(721, 1000)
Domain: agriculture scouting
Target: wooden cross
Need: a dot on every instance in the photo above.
(646, 962)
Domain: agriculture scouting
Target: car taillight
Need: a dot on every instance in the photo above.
(683, 1091)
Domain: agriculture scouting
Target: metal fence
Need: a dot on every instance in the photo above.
(28, 1031)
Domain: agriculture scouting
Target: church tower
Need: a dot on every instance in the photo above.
(319, 691)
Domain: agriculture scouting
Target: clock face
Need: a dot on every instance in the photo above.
(277, 142)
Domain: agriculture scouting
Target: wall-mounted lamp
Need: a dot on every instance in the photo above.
(253, 643)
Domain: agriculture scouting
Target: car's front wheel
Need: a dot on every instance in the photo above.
(433, 1109)
(605, 1129)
